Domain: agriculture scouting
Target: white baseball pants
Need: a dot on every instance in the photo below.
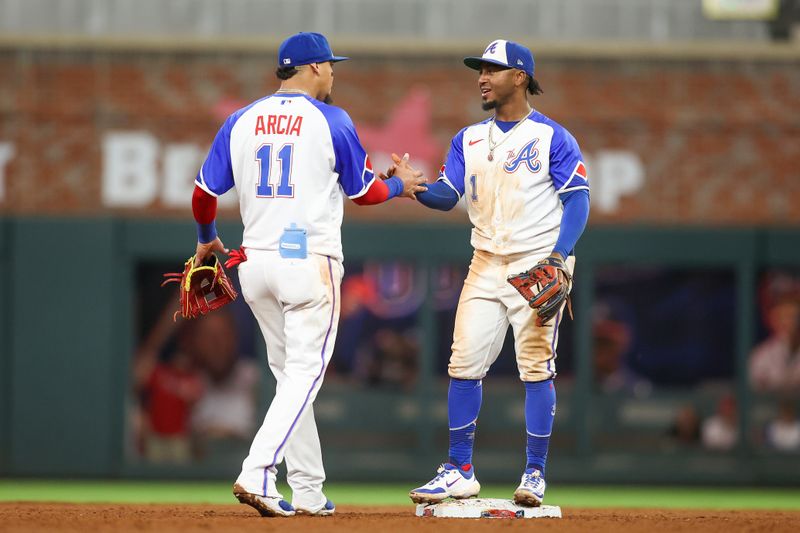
(488, 304)
(296, 303)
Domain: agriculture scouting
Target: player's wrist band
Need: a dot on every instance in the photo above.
(395, 185)
(207, 232)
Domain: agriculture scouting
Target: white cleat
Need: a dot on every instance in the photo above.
(450, 482)
(531, 489)
(265, 505)
(325, 510)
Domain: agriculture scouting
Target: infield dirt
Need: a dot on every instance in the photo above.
(25, 517)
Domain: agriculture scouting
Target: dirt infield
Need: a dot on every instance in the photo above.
(95, 518)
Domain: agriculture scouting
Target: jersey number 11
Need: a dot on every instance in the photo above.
(264, 157)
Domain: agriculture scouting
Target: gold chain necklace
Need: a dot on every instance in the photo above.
(492, 144)
(292, 91)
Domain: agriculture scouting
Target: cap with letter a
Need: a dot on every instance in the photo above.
(305, 48)
(504, 53)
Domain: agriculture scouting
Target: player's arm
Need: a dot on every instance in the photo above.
(215, 178)
(571, 182)
(448, 189)
(204, 209)
(380, 191)
(404, 181)
(439, 196)
(356, 176)
(573, 221)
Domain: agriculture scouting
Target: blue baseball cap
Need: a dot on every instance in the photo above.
(505, 53)
(305, 48)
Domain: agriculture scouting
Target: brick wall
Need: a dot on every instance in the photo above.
(718, 141)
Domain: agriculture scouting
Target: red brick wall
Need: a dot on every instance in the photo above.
(719, 141)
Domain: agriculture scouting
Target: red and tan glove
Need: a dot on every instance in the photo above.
(545, 287)
(202, 289)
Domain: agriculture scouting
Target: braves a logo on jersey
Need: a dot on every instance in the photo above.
(528, 155)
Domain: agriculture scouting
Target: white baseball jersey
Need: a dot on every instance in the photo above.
(513, 198)
(292, 159)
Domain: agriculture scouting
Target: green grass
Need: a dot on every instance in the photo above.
(369, 494)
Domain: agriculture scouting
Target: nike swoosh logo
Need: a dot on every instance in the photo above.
(450, 484)
(475, 142)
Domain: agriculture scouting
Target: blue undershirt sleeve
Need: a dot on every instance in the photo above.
(573, 220)
(438, 196)
(206, 232)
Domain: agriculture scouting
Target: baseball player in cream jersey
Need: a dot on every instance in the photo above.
(292, 159)
(527, 196)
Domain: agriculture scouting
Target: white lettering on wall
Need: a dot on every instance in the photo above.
(138, 171)
(129, 169)
(6, 155)
(612, 175)
(181, 163)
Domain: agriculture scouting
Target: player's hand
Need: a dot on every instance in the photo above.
(205, 249)
(562, 275)
(413, 180)
(389, 172)
(392, 168)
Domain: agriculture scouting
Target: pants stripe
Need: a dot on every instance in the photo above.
(553, 345)
(316, 380)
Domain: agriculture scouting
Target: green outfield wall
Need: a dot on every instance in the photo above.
(67, 337)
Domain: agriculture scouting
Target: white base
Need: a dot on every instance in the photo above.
(486, 508)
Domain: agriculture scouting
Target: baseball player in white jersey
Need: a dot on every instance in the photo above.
(292, 158)
(527, 196)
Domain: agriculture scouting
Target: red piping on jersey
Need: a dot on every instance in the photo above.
(377, 193)
(204, 206)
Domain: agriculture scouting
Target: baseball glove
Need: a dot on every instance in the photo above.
(544, 288)
(202, 289)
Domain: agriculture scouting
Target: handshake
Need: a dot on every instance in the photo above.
(412, 179)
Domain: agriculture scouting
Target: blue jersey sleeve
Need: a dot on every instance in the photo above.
(566, 163)
(352, 162)
(216, 173)
(452, 172)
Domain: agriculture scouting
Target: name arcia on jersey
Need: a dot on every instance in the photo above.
(278, 125)
(292, 160)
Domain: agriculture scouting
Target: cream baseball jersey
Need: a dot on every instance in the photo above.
(292, 160)
(512, 181)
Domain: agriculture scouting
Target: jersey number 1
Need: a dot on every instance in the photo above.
(473, 181)
(264, 157)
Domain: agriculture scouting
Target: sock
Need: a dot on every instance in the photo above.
(463, 405)
(540, 410)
